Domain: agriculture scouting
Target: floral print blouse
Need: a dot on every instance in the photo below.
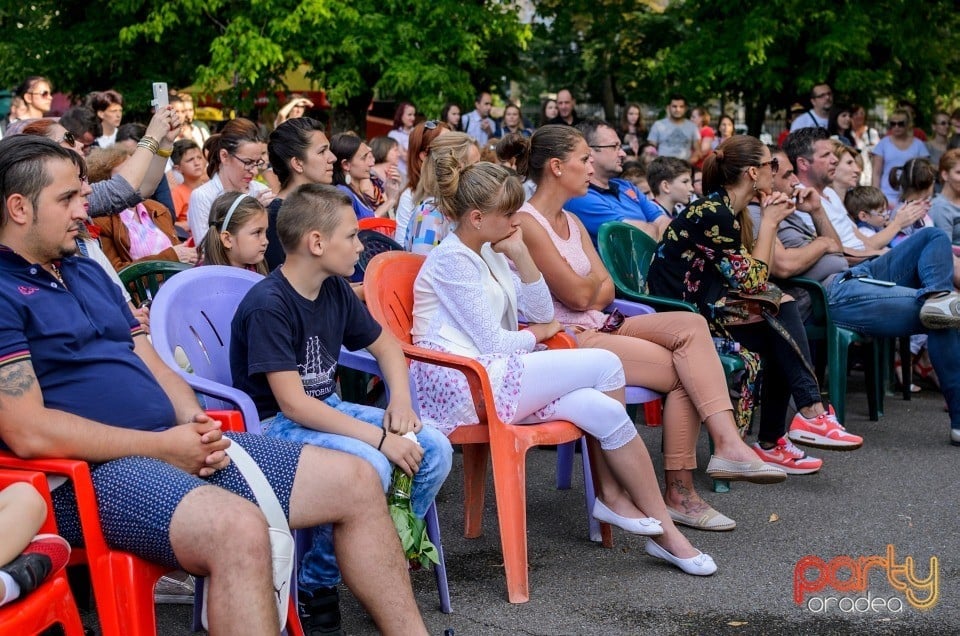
(701, 257)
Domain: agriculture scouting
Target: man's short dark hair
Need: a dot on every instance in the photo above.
(132, 130)
(666, 169)
(800, 142)
(23, 168)
(677, 97)
(813, 89)
(81, 120)
(589, 128)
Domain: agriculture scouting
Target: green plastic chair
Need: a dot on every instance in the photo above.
(143, 279)
(626, 252)
(838, 340)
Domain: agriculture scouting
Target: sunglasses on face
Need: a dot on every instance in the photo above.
(41, 93)
(773, 163)
(68, 139)
(902, 123)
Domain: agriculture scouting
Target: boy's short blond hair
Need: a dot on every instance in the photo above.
(864, 198)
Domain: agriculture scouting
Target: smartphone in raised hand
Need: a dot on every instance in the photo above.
(161, 99)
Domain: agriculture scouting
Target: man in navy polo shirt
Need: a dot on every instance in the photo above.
(610, 198)
(79, 379)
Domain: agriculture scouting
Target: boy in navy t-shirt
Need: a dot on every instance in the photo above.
(285, 341)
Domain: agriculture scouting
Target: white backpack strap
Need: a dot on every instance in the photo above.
(266, 498)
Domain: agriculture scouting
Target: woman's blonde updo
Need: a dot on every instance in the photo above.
(483, 186)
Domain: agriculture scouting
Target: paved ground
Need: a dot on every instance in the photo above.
(900, 489)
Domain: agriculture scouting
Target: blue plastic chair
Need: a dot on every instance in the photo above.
(193, 312)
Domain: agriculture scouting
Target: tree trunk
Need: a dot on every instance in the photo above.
(756, 113)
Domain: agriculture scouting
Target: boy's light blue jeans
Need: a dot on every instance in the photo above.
(922, 264)
(319, 565)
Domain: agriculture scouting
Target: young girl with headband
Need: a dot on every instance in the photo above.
(238, 236)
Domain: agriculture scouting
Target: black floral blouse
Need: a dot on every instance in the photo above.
(701, 257)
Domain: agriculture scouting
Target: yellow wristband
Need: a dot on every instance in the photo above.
(164, 152)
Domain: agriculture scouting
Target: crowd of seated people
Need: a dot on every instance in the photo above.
(509, 241)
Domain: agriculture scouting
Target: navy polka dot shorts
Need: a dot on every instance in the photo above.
(138, 495)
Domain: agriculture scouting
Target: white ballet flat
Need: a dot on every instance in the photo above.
(646, 526)
(700, 565)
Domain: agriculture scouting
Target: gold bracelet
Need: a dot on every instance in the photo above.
(149, 143)
(165, 152)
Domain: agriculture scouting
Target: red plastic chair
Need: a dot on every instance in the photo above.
(51, 603)
(122, 583)
(388, 286)
(379, 224)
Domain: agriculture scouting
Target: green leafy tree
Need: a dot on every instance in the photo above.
(428, 52)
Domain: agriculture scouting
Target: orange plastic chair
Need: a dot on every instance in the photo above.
(51, 603)
(122, 583)
(388, 286)
(379, 224)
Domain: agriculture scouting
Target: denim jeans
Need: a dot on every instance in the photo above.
(920, 265)
(319, 565)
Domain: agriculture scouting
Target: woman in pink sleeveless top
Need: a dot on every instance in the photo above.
(671, 353)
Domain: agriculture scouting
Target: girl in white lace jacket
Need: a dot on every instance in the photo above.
(466, 300)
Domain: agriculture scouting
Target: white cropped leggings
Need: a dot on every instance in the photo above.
(576, 380)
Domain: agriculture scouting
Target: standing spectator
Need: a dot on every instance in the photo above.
(84, 124)
(675, 135)
(818, 115)
(37, 95)
(894, 150)
(403, 122)
(725, 130)
(937, 144)
(295, 107)
(700, 117)
(478, 123)
(866, 139)
(234, 158)
(566, 109)
(840, 126)
(632, 132)
(188, 159)
(513, 122)
(108, 105)
(548, 110)
(198, 130)
(451, 116)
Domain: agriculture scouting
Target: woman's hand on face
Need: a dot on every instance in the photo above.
(511, 246)
(777, 206)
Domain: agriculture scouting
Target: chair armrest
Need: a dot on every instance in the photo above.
(231, 420)
(659, 303)
(360, 360)
(474, 372)
(241, 400)
(630, 308)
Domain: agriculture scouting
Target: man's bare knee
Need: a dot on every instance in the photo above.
(212, 524)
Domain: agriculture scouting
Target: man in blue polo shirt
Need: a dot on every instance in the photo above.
(79, 379)
(609, 198)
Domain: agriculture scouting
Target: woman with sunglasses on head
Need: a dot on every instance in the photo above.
(235, 157)
(671, 353)
(38, 96)
(894, 150)
(465, 302)
(703, 259)
(420, 139)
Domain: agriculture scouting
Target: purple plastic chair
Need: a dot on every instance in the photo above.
(565, 452)
(193, 311)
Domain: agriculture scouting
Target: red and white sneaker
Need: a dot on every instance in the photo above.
(785, 455)
(823, 431)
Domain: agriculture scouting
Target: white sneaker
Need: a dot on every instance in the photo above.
(941, 312)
